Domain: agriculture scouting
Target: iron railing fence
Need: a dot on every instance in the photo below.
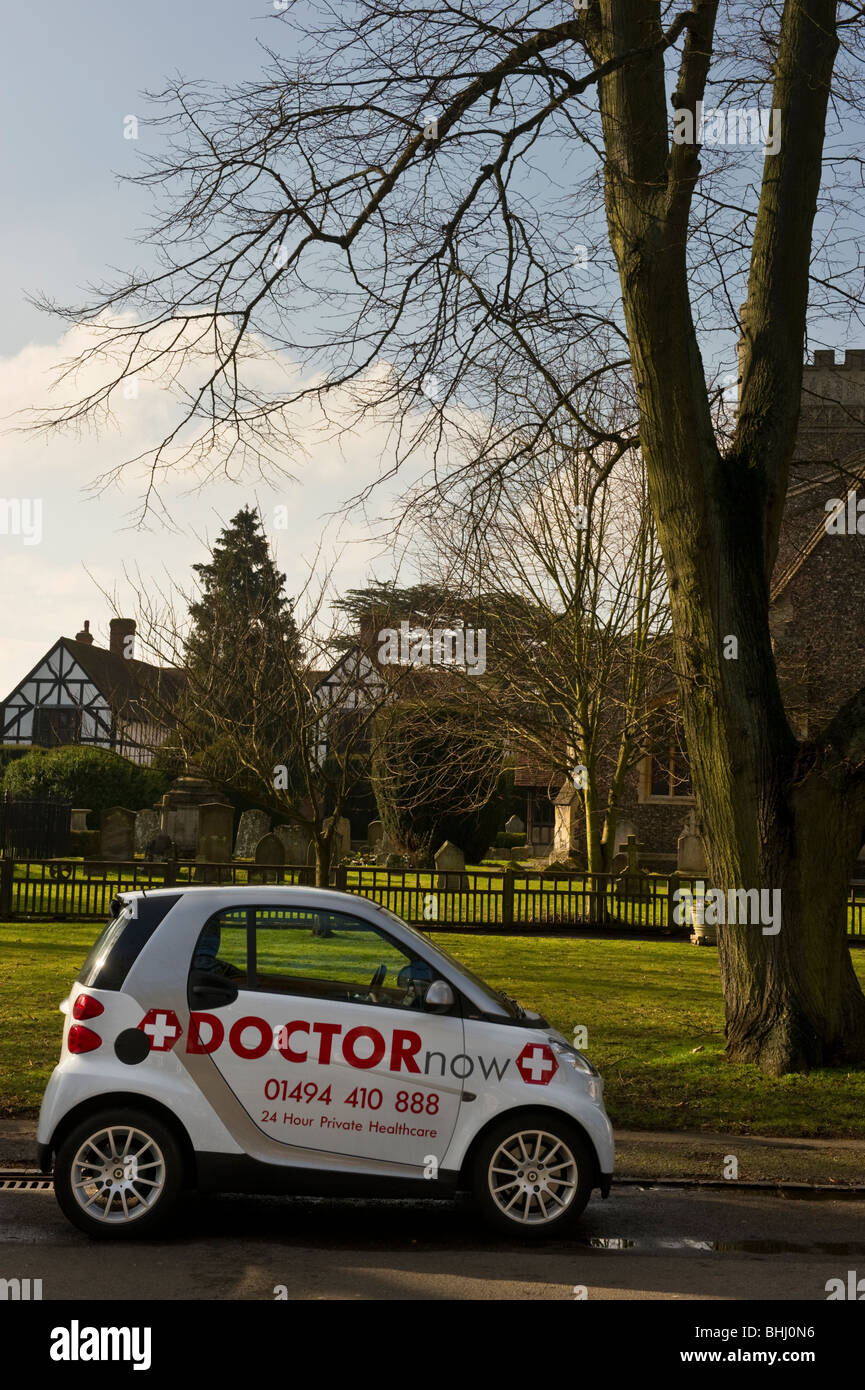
(481, 900)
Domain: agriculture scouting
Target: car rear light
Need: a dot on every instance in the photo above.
(86, 1006)
(82, 1039)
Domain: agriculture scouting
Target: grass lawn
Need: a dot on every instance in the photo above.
(653, 1012)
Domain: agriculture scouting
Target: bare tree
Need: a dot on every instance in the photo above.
(419, 177)
(567, 571)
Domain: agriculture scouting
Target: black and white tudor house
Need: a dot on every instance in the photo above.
(81, 693)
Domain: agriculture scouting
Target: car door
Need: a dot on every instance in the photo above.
(328, 1045)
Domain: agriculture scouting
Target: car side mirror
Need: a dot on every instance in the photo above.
(439, 996)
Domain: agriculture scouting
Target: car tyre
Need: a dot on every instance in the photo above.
(118, 1174)
(533, 1175)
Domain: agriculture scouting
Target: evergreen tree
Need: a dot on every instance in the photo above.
(243, 639)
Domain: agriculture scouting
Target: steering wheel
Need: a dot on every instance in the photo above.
(378, 977)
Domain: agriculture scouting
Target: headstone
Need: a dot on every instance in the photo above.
(179, 812)
(215, 823)
(117, 833)
(78, 819)
(161, 846)
(632, 881)
(270, 850)
(296, 843)
(691, 856)
(252, 827)
(395, 862)
(374, 834)
(568, 808)
(624, 829)
(340, 844)
(515, 826)
(449, 860)
(146, 829)
(627, 860)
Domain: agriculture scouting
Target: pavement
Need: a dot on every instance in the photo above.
(656, 1244)
(649, 1155)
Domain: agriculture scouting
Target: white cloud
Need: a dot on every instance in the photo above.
(45, 588)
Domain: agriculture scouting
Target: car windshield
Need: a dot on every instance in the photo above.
(495, 996)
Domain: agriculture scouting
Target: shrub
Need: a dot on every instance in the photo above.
(507, 839)
(92, 777)
(436, 778)
(9, 752)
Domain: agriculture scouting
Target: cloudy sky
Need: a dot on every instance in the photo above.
(73, 73)
(73, 76)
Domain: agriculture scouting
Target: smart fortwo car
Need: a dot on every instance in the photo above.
(294, 1040)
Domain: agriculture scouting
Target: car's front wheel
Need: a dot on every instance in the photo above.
(533, 1175)
(118, 1174)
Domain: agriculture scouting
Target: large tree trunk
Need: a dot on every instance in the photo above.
(778, 817)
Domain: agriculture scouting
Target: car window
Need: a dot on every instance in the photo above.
(495, 997)
(118, 946)
(221, 948)
(312, 953)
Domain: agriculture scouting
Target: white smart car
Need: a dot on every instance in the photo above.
(294, 1040)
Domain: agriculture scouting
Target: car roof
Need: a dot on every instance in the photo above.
(300, 896)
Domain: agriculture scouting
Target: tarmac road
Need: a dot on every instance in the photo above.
(654, 1243)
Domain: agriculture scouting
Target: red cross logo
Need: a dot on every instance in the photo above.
(162, 1027)
(537, 1064)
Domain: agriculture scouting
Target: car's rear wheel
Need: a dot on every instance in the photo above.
(533, 1175)
(118, 1174)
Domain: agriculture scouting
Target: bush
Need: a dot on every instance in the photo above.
(435, 779)
(92, 777)
(507, 839)
(9, 752)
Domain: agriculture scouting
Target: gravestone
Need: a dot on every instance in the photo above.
(568, 810)
(395, 862)
(515, 826)
(449, 860)
(690, 854)
(78, 819)
(631, 881)
(162, 846)
(252, 827)
(179, 812)
(624, 830)
(296, 842)
(270, 850)
(627, 860)
(374, 834)
(117, 833)
(215, 824)
(340, 845)
(146, 830)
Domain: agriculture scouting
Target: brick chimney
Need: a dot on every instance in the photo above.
(85, 635)
(122, 640)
